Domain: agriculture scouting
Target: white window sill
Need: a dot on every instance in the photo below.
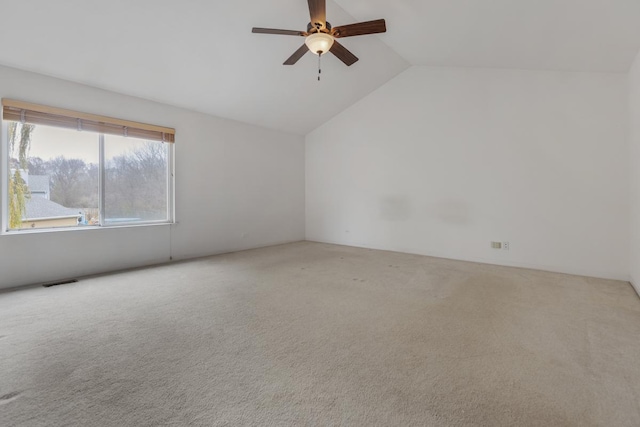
(24, 231)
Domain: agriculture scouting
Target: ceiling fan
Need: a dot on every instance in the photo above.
(320, 36)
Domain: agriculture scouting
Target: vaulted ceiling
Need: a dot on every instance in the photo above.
(201, 54)
(567, 35)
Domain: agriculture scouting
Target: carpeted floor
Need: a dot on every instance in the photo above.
(321, 335)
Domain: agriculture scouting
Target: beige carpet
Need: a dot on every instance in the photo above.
(321, 335)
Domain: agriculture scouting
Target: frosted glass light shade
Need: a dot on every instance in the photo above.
(319, 43)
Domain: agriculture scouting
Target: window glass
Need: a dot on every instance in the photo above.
(53, 177)
(57, 178)
(135, 180)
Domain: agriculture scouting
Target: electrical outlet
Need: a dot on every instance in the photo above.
(505, 246)
(496, 245)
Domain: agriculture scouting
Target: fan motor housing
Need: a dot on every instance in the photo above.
(318, 27)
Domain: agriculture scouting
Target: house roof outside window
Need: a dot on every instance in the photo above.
(39, 208)
(39, 185)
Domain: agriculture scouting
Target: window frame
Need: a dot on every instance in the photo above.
(102, 225)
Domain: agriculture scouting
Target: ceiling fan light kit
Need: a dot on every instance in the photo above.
(320, 37)
(319, 43)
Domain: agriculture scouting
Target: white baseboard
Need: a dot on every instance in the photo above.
(550, 268)
(636, 285)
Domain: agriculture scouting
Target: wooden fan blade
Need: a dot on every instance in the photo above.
(360, 29)
(343, 54)
(297, 55)
(279, 32)
(318, 12)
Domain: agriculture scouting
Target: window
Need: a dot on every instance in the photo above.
(69, 169)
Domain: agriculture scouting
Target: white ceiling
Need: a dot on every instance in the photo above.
(201, 54)
(567, 35)
(197, 54)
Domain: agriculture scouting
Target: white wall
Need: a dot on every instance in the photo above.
(237, 187)
(440, 161)
(634, 157)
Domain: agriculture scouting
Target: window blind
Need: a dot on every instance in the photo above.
(24, 112)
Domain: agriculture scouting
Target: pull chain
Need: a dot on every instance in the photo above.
(319, 65)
